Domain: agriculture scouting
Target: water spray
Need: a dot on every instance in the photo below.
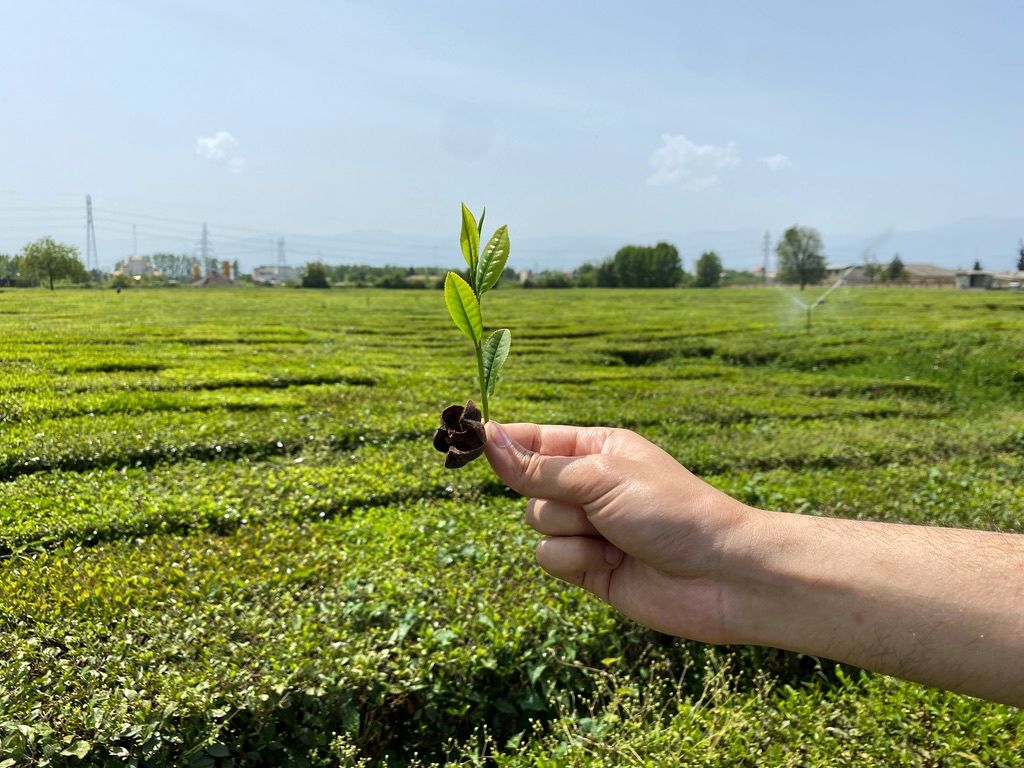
(809, 307)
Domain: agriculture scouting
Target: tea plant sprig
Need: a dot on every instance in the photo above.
(463, 299)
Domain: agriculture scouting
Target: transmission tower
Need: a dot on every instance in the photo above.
(205, 250)
(281, 260)
(766, 247)
(92, 259)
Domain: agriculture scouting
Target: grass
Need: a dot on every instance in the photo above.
(226, 539)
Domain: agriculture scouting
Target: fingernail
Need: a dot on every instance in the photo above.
(612, 554)
(499, 436)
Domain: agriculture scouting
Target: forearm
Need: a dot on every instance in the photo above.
(939, 606)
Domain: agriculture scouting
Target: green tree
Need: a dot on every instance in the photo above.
(895, 270)
(46, 259)
(8, 269)
(977, 266)
(585, 275)
(315, 276)
(709, 270)
(1020, 260)
(605, 276)
(641, 266)
(549, 278)
(871, 268)
(740, 277)
(800, 256)
(174, 266)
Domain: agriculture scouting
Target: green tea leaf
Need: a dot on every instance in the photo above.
(480, 224)
(463, 307)
(492, 260)
(79, 749)
(469, 239)
(495, 351)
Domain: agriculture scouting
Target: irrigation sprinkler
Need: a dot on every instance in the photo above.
(809, 307)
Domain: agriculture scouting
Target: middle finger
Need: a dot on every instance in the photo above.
(555, 518)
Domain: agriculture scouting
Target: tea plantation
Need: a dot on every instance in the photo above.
(227, 540)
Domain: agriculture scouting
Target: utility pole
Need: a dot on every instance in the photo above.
(766, 247)
(92, 259)
(281, 260)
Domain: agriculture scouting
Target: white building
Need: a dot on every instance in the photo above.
(136, 266)
(275, 275)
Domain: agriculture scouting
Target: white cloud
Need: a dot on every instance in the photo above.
(223, 148)
(693, 166)
(776, 162)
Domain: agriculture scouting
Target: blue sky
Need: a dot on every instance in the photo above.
(354, 129)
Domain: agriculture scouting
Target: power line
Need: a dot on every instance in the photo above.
(42, 209)
(313, 239)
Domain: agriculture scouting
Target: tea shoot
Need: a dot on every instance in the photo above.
(464, 300)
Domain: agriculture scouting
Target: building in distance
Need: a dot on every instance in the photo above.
(923, 275)
(275, 275)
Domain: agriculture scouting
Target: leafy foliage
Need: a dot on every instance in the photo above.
(464, 307)
(47, 260)
(801, 257)
(314, 275)
(895, 269)
(463, 299)
(495, 351)
(174, 266)
(639, 266)
(709, 270)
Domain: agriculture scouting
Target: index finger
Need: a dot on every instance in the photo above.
(558, 439)
(571, 479)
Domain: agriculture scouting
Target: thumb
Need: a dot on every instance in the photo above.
(572, 479)
(509, 460)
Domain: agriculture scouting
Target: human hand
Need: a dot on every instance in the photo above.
(627, 522)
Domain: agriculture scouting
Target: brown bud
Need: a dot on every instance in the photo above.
(461, 435)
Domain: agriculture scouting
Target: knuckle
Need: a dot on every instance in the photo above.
(604, 466)
(531, 469)
(532, 515)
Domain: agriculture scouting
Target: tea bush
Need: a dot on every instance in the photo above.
(226, 539)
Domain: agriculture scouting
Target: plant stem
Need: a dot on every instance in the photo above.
(483, 384)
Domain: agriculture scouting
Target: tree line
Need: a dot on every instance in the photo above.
(799, 256)
(43, 262)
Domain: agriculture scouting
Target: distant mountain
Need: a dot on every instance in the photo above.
(992, 241)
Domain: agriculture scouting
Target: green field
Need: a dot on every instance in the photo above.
(227, 539)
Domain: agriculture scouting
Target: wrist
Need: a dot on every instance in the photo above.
(780, 567)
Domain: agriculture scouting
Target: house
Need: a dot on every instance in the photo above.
(853, 274)
(834, 271)
(974, 278)
(275, 275)
(136, 266)
(1012, 281)
(921, 275)
(929, 275)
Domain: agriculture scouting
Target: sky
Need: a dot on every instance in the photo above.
(354, 129)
